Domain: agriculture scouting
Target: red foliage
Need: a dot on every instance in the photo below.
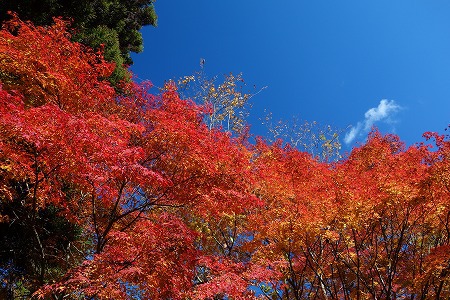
(139, 174)
(167, 209)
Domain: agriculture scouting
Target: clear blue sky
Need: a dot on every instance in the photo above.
(330, 61)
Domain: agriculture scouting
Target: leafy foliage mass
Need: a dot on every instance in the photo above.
(134, 196)
(112, 24)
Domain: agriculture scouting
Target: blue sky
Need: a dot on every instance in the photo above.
(349, 63)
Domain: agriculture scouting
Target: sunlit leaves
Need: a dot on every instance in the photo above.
(138, 196)
(52, 69)
(228, 105)
(320, 141)
(370, 226)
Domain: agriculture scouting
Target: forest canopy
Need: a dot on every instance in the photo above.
(131, 195)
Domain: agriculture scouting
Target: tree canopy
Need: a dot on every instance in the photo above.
(112, 24)
(133, 196)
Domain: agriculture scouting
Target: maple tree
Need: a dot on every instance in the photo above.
(373, 226)
(136, 196)
(109, 24)
(135, 175)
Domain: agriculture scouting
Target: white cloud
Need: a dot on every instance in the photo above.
(351, 135)
(382, 112)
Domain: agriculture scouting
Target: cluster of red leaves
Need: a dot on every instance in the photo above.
(138, 173)
(169, 209)
(156, 257)
(51, 68)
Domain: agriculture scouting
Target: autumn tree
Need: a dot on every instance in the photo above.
(373, 226)
(320, 141)
(228, 102)
(114, 25)
(33, 246)
(132, 179)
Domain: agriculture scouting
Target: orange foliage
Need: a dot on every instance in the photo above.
(373, 226)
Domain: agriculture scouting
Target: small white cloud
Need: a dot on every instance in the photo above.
(382, 112)
(351, 135)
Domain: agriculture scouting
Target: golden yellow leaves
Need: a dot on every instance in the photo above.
(227, 101)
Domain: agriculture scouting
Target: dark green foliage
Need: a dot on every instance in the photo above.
(106, 38)
(35, 249)
(112, 23)
(22, 259)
